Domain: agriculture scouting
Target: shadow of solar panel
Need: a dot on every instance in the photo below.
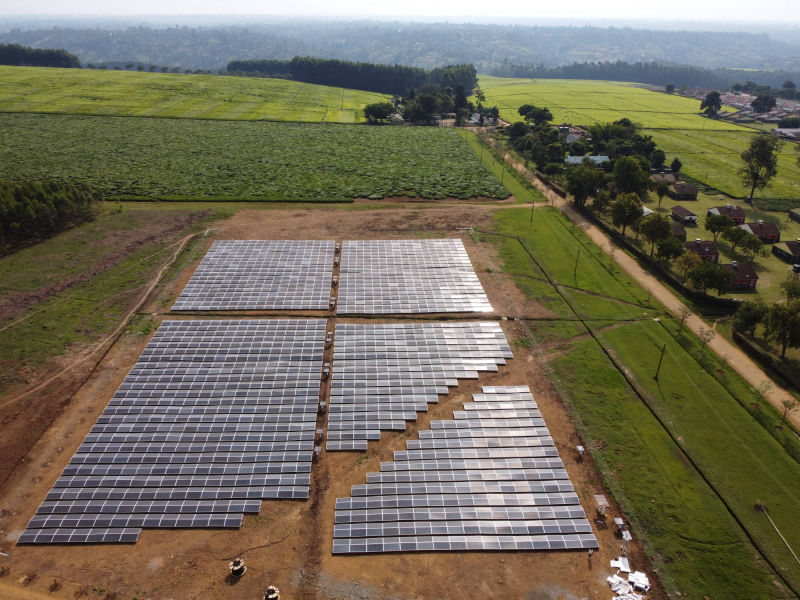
(383, 372)
(408, 276)
(261, 275)
(516, 496)
(163, 456)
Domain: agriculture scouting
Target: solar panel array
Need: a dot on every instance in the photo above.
(489, 479)
(408, 276)
(261, 275)
(214, 417)
(383, 374)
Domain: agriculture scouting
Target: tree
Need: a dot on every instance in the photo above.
(662, 189)
(657, 158)
(711, 104)
(735, 235)
(656, 227)
(749, 315)
(791, 287)
(790, 405)
(676, 165)
(423, 108)
(583, 181)
(601, 201)
(760, 162)
(670, 88)
(626, 210)
(763, 103)
(379, 111)
(683, 315)
(686, 262)
(705, 335)
(716, 224)
(517, 130)
(709, 276)
(750, 246)
(669, 247)
(479, 95)
(782, 324)
(629, 176)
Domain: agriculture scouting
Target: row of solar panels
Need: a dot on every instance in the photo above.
(377, 277)
(421, 502)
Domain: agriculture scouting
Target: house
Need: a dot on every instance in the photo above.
(683, 191)
(597, 159)
(705, 250)
(667, 178)
(679, 231)
(788, 251)
(684, 215)
(766, 232)
(788, 134)
(744, 276)
(734, 213)
(794, 214)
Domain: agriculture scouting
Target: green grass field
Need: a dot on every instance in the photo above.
(135, 94)
(702, 405)
(188, 159)
(708, 149)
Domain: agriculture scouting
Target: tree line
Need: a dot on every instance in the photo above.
(648, 72)
(34, 209)
(370, 77)
(22, 56)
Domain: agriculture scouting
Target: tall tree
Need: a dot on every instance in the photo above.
(735, 235)
(750, 246)
(749, 315)
(763, 103)
(709, 276)
(760, 162)
(662, 189)
(676, 165)
(716, 224)
(669, 247)
(782, 323)
(711, 104)
(656, 227)
(629, 176)
(379, 111)
(686, 262)
(626, 210)
(583, 181)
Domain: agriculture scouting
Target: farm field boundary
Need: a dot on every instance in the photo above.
(135, 94)
(709, 149)
(185, 159)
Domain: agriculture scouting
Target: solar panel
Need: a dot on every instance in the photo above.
(261, 275)
(516, 496)
(384, 373)
(213, 418)
(408, 276)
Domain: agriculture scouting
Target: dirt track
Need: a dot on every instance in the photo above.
(287, 544)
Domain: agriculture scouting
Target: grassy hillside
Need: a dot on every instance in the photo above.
(708, 149)
(188, 159)
(135, 94)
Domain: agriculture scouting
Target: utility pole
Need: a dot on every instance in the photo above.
(532, 203)
(575, 271)
(659, 361)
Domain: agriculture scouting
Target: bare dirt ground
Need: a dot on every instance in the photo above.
(288, 543)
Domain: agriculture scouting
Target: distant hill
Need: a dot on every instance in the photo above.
(426, 45)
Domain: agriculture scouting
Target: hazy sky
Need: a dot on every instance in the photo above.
(580, 10)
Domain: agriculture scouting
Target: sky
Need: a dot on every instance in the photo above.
(582, 11)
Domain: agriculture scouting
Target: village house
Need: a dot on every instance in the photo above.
(766, 232)
(683, 191)
(734, 213)
(794, 214)
(684, 215)
(744, 276)
(679, 231)
(788, 251)
(705, 250)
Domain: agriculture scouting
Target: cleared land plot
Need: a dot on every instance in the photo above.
(708, 149)
(134, 94)
(183, 159)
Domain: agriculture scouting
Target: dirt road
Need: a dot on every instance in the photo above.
(737, 359)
